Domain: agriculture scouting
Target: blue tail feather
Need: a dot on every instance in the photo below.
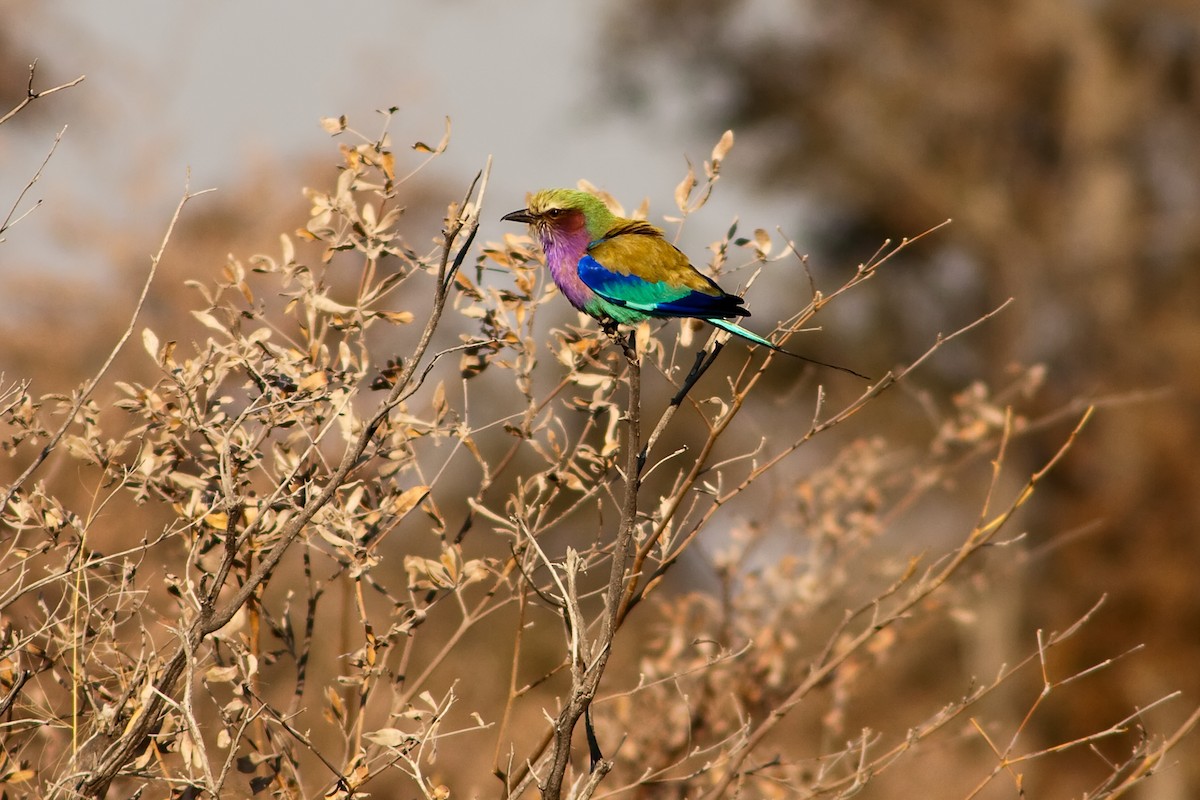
(738, 330)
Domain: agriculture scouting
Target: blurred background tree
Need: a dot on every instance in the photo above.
(1064, 140)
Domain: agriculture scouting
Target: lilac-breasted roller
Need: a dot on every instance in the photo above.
(622, 271)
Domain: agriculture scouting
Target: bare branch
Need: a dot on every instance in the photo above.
(31, 95)
(86, 391)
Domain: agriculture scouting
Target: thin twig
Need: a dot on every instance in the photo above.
(8, 220)
(976, 539)
(90, 386)
(31, 95)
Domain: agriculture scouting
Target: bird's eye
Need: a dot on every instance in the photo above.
(555, 212)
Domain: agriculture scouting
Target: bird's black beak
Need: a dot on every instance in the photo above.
(518, 216)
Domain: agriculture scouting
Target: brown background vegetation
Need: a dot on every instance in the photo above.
(1062, 139)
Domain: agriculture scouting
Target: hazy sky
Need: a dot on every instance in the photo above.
(215, 86)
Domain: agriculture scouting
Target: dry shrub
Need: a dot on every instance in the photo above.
(350, 544)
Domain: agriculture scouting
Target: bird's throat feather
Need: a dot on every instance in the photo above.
(564, 245)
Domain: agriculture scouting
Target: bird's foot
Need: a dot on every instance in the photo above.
(628, 344)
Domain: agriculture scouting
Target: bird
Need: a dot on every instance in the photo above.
(623, 271)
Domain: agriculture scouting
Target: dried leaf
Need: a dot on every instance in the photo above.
(352, 502)
(313, 381)
(399, 505)
(260, 335)
(451, 561)
(722, 147)
(591, 379)
(221, 674)
(386, 737)
(209, 321)
(395, 317)
(150, 342)
(425, 573)
(218, 521)
(334, 125)
(337, 709)
(323, 303)
(289, 250)
(473, 362)
(334, 539)
(762, 242)
(572, 481)
(683, 191)
(421, 147)
(440, 407)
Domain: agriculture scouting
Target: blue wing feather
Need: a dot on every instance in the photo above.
(657, 299)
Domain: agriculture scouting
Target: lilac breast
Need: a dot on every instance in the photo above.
(563, 252)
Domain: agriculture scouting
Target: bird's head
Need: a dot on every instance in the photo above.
(562, 214)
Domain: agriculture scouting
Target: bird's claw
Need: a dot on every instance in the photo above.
(628, 344)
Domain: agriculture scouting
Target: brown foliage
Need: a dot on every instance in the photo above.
(1064, 140)
(378, 531)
